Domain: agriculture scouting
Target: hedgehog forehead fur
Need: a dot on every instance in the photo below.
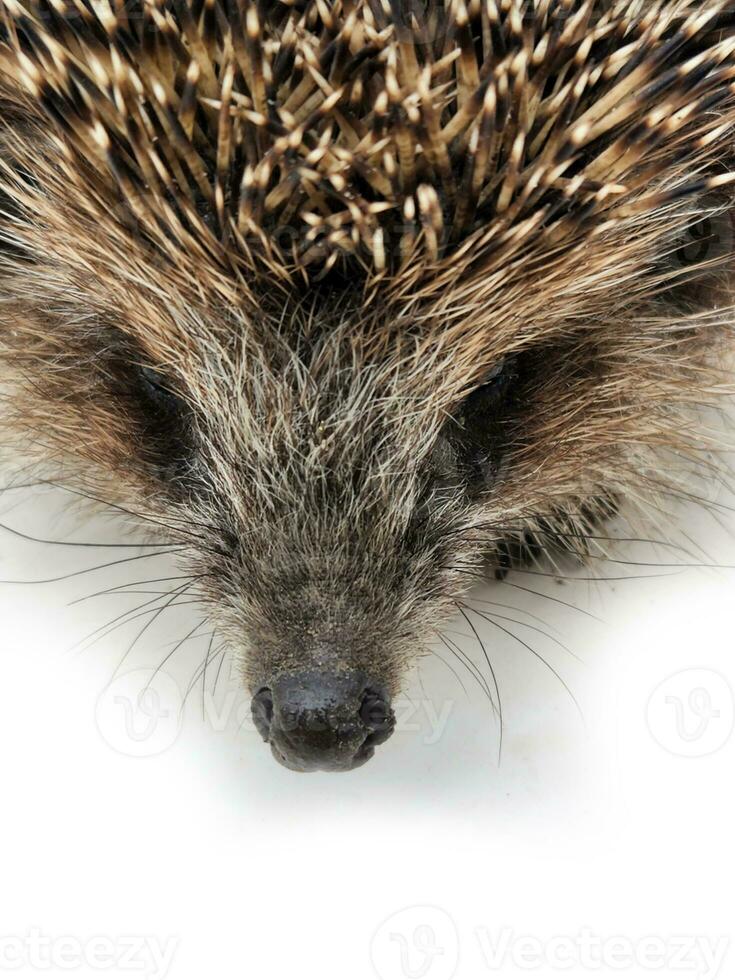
(410, 278)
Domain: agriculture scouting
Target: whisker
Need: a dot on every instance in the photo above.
(156, 613)
(492, 672)
(219, 669)
(558, 575)
(471, 668)
(519, 622)
(115, 590)
(178, 646)
(553, 536)
(517, 609)
(138, 615)
(446, 663)
(551, 598)
(148, 519)
(204, 669)
(123, 615)
(79, 544)
(543, 661)
(94, 568)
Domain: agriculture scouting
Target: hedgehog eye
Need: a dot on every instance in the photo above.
(165, 423)
(157, 392)
(481, 428)
(484, 403)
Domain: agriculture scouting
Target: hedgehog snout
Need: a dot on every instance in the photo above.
(323, 719)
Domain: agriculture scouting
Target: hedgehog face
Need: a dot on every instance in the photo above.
(332, 501)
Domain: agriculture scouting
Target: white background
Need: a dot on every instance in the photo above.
(599, 847)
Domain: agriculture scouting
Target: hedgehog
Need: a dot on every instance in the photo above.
(356, 301)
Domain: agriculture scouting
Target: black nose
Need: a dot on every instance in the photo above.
(320, 719)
